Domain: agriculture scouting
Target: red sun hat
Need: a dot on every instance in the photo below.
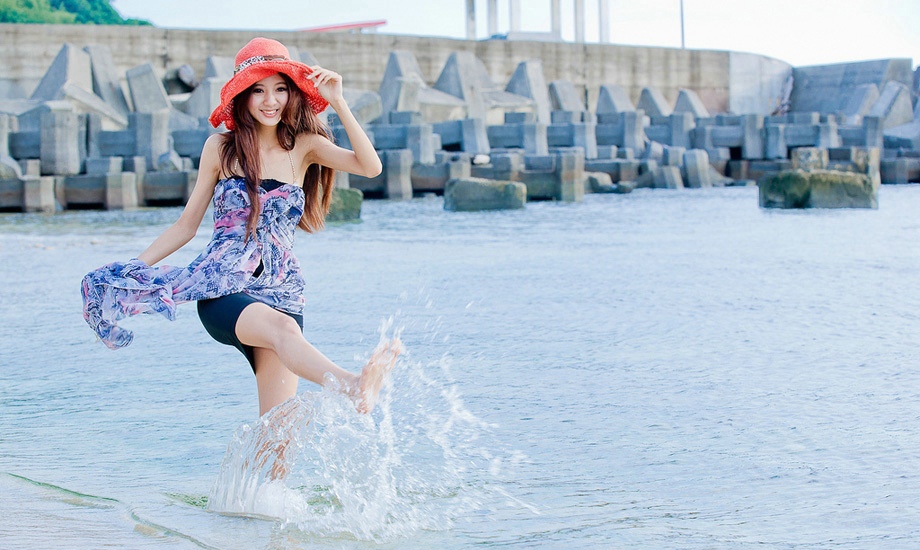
(261, 58)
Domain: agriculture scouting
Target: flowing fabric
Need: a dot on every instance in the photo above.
(123, 289)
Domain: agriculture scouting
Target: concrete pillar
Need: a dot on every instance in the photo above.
(634, 130)
(475, 139)
(60, 143)
(121, 191)
(828, 136)
(603, 21)
(680, 125)
(471, 19)
(38, 194)
(151, 135)
(556, 18)
(696, 165)
(398, 173)
(584, 135)
(493, 17)
(752, 144)
(514, 15)
(534, 138)
(570, 170)
(776, 147)
(4, 134)
(579, 21)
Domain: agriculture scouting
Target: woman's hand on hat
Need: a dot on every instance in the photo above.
(328, 83)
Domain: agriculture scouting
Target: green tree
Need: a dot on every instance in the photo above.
(33, 11)
(88, 12)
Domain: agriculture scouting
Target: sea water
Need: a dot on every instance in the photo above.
(660, 369)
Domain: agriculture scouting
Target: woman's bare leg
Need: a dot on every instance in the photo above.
(261, 326)
(276, 383)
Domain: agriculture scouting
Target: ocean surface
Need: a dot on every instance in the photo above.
(664, 369)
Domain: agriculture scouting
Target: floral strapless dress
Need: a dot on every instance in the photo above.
(122, 289)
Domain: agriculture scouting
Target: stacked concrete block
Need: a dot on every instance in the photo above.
(394, 182)
(565, 97)
(894, 105)
(465, 77)
(148, 95)
(166, 188)
(698, 171)
(799, 130)
(573, 129)
(70, 66)
(403, 88)
(689, 102)
(900, 170)
(869, 133)
(62, 134)
(675, 129)
(520, 131)
(106, 81)
(905, 136)
(620, 170)
(217, 66)
(826, 88)
(673, 156)
(150, 134)
(858, 103)
(468, 135)
(70, 78)
(528, 81)
(431, 178)
(407, 131)
(653, 103)
(366, 106)
(557, 176)
(613, 99)
(204, 98)
(626, 130)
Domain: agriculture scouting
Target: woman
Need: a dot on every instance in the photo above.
(270, 173)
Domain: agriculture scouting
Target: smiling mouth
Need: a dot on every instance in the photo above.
(271, 113)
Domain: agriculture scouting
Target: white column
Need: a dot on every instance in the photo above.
(493, 18)
(603, 21)
(514, 9)
(579, 21)
(556, 18)
(471, 19)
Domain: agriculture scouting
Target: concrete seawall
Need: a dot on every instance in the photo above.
(725, 81)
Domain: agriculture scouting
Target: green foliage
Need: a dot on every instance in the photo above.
(92, 12)
(32, 11)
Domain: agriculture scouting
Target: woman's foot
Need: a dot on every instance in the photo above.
(374, 374)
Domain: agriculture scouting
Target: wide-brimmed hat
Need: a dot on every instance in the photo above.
(261, 58)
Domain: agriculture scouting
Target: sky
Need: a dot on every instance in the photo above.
(800, 32)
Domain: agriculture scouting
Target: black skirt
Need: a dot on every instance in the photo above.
(219, 317)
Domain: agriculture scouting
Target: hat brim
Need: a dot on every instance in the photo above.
(298, 72)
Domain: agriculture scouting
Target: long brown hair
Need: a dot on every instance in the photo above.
(240, 150)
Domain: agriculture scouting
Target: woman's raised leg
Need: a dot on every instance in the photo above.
(261, 326)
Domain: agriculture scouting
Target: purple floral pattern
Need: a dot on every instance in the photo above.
(122, 289)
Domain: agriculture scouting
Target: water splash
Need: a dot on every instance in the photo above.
(418, 462)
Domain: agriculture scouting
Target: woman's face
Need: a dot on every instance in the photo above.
(268, 99)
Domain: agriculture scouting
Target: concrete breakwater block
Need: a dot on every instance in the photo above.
(475, 194)
(346, 205)
(818, 189)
